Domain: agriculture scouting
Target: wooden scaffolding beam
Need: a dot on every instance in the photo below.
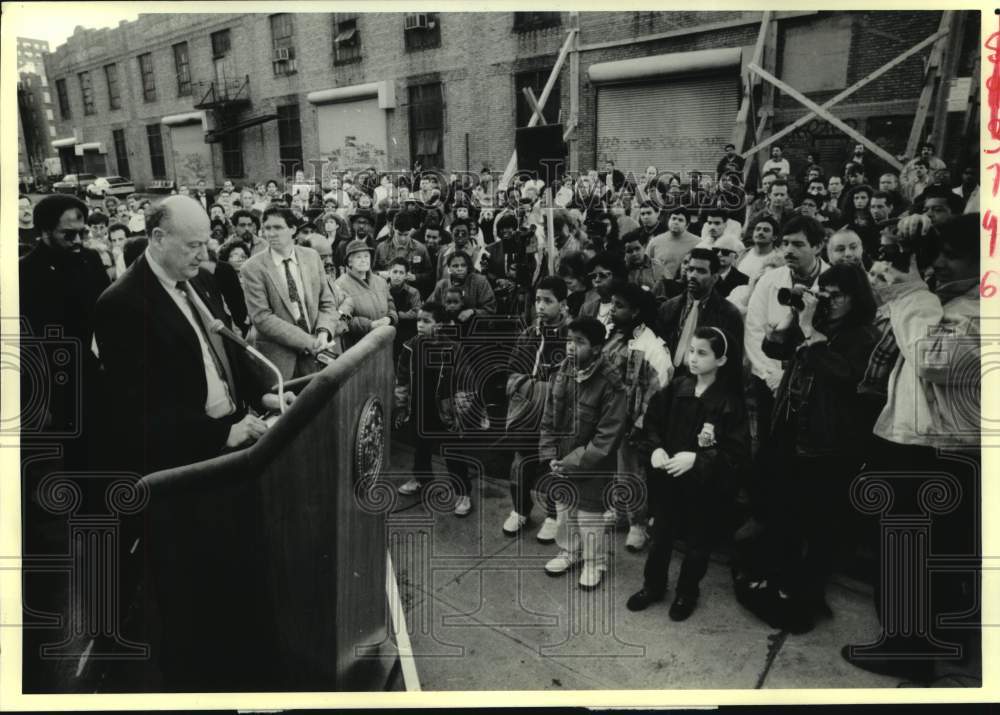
(750, 81)
(535, 115)
(825, 114)
(932, 79)
(949, 66)
(830, 103)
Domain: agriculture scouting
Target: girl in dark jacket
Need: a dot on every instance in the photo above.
(817, 432)
(696, 430)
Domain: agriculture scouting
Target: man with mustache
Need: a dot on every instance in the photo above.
(699, 306)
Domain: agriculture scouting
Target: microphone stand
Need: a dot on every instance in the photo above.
(219, 328)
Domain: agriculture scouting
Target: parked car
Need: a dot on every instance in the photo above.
(110, 186)
(74, 184)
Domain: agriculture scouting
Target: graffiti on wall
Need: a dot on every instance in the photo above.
(353, 155)
(191, 168)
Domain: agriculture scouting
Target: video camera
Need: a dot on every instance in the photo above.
(899, 252)
(792, 297)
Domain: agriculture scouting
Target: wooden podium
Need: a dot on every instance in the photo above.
(270, 562)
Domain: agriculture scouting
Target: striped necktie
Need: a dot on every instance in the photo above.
(293, 295)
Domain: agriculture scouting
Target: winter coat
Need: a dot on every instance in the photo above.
(644, 367)
(817, 397)
(675, 417)
(476, 293)
(582, 426)
(537, 354)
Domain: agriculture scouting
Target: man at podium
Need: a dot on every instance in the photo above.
(180, 393)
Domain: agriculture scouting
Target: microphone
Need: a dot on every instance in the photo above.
(219, 328)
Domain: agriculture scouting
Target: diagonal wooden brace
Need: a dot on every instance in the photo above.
(829, 117)
(533, 103)
(847, 92)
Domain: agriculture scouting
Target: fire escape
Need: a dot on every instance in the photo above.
(227, 100)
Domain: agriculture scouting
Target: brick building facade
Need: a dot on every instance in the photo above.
(389, 89)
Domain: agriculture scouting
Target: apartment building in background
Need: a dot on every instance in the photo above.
(36, 119)
(182, 97)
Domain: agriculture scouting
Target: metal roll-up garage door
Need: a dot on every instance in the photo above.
(192, 156)
(680, 123)
(352, 135)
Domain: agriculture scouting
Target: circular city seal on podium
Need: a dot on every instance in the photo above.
(369, 444)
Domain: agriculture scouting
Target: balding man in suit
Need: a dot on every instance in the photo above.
(293, 310)
(181, 394)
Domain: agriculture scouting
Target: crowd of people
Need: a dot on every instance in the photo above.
(687, 343)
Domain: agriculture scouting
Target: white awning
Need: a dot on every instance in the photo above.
(64, 142)
(675, 63)
(174, 120)
(385, 91)
(90, 146)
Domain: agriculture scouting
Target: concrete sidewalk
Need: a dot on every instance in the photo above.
(483, 615)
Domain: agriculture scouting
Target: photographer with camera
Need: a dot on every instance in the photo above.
(770, 304)
(817, 435)
(932, 405)
(510, 263)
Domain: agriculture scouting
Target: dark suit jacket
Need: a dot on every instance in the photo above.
(209, 199)
(156, 375)
(58, 291)
(717, 313)
(734, 278)
(229, 283)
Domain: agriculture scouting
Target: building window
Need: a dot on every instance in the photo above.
(121, 152)
(221, 43)
(111, 75)
(183, 67)
(536, 79)
(346, 41)
(63, 99)
(87, 91)
(282, 44)
(156, 162)
(421, 30)
(232, 154)
(289, 138)
(148, 83)
(524, 21)
(427, 126)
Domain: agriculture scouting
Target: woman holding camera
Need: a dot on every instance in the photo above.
(818, 429)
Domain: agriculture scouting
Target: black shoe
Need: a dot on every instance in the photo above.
(641, 600)
(918, 671)
(683, 606)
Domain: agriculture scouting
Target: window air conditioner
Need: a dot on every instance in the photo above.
(416, 21)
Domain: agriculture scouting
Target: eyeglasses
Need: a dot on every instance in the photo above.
(73, 234)
(722, 251)
(600, 275)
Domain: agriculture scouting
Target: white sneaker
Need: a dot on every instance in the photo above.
(463, 505)
(637, 538)
(411, 487)
(590, 577)
(514, 523)
(561, 563)
(547, 534)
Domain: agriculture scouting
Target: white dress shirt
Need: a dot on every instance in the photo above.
(279, 263)
(218, 401)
